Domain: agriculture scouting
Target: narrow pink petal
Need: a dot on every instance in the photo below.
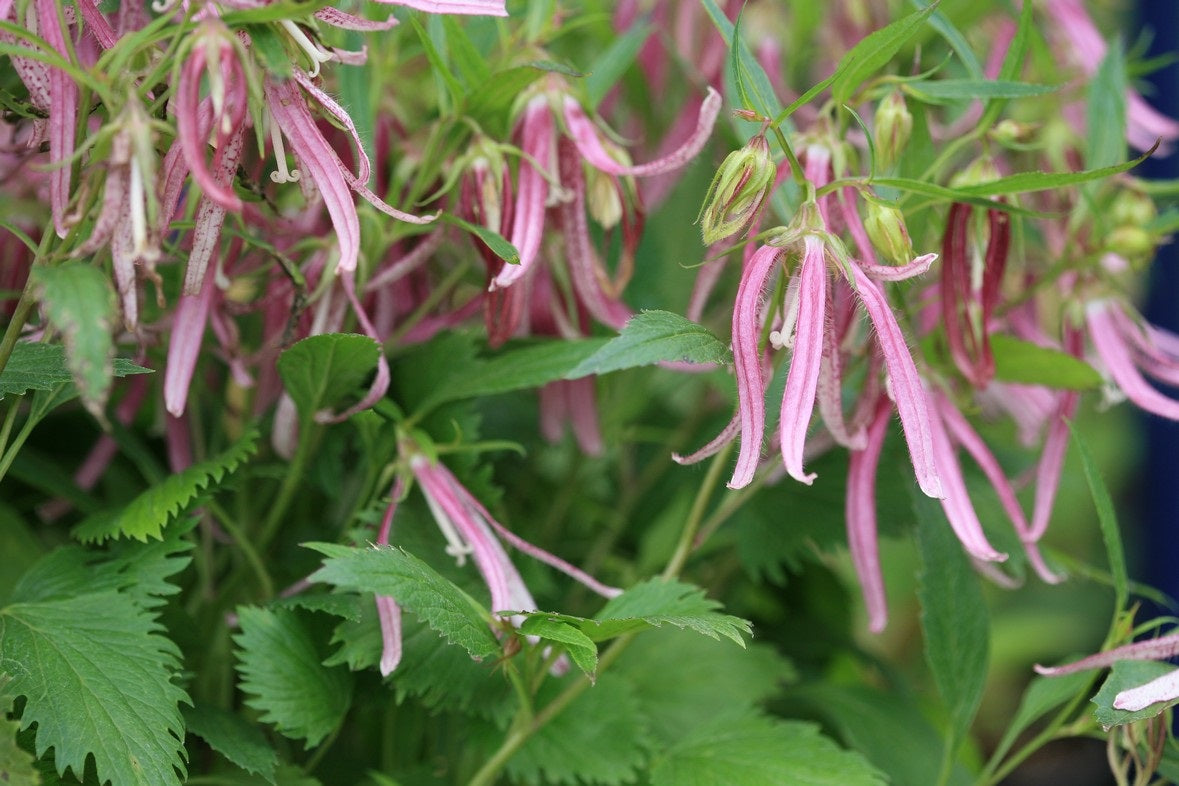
(389, 614)
(860, 512)
(751, 389)
(829, 393)
(404, 265)
(917, 267)
(363, 168)
(1152, 649)
(1051, 464)
(964, 434)
(337, 18)
(210, 216)
(289, 110)
(382, 205)
(583, 414)
(907, 389)
(184, 346)
(581, 257)
(1164, 688)
(473, 7)
(727, 435)
(63, 115)
(956, 502)
(585, 136)
(193, 139)
(96, 22)
(536, 140)
(798, 399)
(1115, 352)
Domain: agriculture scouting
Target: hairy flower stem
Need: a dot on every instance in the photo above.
(522, 729)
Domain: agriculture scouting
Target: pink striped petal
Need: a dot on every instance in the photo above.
(798, 399)
(470, 7)
(184, 346)
(585, 136)
(860, 512)
(907, 388)
(747, 363)
(63, 116)
(1116, 354)
(1162, 648)
(337, 18)
(536, 140)
(956, 502)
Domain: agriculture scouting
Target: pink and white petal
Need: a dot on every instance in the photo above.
(798, 399)
(747, 362)
(536, 140)
(63, 116)
(469, 7)
(184, 346)
(1164, 688)
(337, 18)
(389, 615)
(1116, 354)
(363, 168)
(907, 389)
(727, 435)
(585, 136)
(1162, 648)
(956, 502)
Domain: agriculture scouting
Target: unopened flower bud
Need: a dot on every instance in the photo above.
(1012, 132)
(602, 199)
(737, 191)
(893, 125)
(1133, 208)
(887, 231)
(1133, 243)
(981, 170)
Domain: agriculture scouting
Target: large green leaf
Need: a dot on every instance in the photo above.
(146, 515)
(79, 303)
(416, 586)
(744, 748)
(233, 737)
(1105, 110)
(1022, 361)
(868, 57)
(34, 366)
(282, 673)
(652, 337)
(321, 371)
(97, 677)
(953, 617)
(600, 738)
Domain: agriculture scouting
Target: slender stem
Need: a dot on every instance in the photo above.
(308, 432)
(9, 422)
(10, 456)
(248, 551)
(24, 307)
(316, 757)
(687, 541)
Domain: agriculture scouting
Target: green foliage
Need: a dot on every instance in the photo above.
(494, 240)
(1022, 361)
(582, 650)
(147, 515)
(416, 586)
(745, 748)
(281, 672)
(17, 766)
(1111, 534)
(1042, 696)
(600, 738)
(654, 337)
(237, 740)
(35, 366)
(613, 62)
(79, 303)
(1124, 675)
(935, 91)
(1105, 110)
(97, 676)
(320, 372)
(953, 617)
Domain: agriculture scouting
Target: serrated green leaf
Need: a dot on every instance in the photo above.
(580, 647)
(1023, 362)
(18, 767)
(868, 57)
(1042, 695)
(953, 617)
(344, 605)
(744, 748)
(498, 244)
(147, 515)
(240, 742)
(97, 676)
(79, 303)
(680, 677)
(655, 603)
(612, 63)
(1111, 533)
(1105, 110)
(281, 672)
(416, 586)
(651, 337)
(939, 90)
(1124, 675)
(514, 369)
(34, 366)
(320, 371)
(867, 721)
(600, 738)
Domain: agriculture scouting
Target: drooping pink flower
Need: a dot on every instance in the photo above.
(1127, 348)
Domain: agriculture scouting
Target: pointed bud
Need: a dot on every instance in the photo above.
(1012, 133)
(738, 190)
(887, 231)
(893, 125)
(1133, 208)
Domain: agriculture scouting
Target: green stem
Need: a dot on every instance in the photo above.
(10, 455)
(24, 307)
(687, 540)
(308, 432)
(248, 551)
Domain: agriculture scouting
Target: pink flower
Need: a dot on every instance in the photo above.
(1128, 348)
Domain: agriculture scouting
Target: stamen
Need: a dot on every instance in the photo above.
(313, 50)
(455, 545)
(138, 218)
(282, 175)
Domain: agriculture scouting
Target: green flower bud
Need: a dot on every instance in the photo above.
(887, 231)
(1134, 244)
(893, 125)
(602, 198)
(1133, 208)
(1010, 133)
(981, 170)
(737, 191)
